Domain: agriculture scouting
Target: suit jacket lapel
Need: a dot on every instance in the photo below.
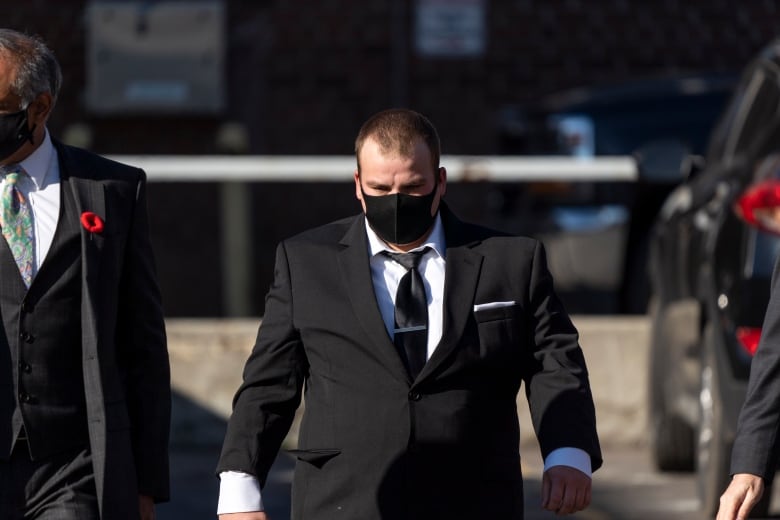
(463, 265)
(356, 277)
(89, 195)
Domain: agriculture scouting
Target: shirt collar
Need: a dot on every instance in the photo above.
(435, 240)
(37, 163)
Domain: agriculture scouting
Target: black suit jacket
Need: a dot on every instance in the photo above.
(125, 359)
(756, 445)
(374, 444)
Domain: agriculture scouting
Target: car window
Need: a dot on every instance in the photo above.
(622, 128)
(687, 119)
(743, 129)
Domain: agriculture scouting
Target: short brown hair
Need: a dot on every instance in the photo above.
(397, 130)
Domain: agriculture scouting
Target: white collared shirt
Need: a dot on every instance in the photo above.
(386, 274)
(42, 189)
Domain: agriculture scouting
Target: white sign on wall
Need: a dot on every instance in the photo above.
(450, 28)
(151, 57)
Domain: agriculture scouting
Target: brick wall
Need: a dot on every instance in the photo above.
(303, 74)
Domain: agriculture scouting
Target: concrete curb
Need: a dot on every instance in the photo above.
(208, 355)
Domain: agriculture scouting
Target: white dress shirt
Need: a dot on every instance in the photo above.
(386, 274)
(42, 189)
(240, 492)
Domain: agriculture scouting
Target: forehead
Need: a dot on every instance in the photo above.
(417, 157)
(7, 75)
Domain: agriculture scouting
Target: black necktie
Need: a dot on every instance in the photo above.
(411, 313)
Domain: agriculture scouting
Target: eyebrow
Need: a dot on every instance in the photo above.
(9, 107)
(415, 183)
(376, 184)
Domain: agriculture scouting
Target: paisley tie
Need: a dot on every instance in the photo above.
(17, 221)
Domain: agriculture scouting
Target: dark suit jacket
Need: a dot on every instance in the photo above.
(756, 445)
(126, 371)
(374, 444)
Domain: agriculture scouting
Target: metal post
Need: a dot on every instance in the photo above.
(236, 248)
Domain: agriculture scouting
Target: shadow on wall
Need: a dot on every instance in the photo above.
(196, 441)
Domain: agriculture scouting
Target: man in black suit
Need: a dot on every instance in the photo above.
(84, 374)
(391, 431)
(754, 455)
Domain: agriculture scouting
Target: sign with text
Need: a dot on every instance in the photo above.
(450, 28)
(156, 57)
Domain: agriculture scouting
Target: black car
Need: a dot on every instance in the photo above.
(712, 252)
(609, 120)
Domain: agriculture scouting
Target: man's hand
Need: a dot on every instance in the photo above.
(146, 507)
(565, 490)
(740, 497)
(255, 515)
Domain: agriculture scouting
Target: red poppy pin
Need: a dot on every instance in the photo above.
(92, 222)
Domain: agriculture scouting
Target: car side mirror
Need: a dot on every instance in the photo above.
(668, 161)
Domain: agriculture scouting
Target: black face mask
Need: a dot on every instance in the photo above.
(400, 218)
(14, 132)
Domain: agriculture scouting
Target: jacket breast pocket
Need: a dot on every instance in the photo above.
(499, 331)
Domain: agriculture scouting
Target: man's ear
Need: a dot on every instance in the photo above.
(39, 110)
(358, 190)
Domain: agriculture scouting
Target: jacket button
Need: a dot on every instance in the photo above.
(27, 307)
(26, 367)
(27, 337)
(24, 397)
(415, 396)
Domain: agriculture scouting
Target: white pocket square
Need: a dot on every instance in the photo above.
(492, 305)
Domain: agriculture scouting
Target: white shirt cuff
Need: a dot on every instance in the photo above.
(238, 493)
(572, 457)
